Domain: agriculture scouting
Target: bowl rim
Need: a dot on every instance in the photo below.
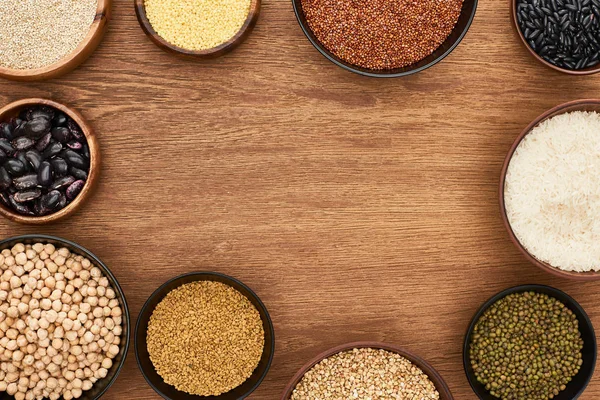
(515, 23)
(554, 111)
(73, 59)
(117, 287)
(374, 74)
(518, 289)
(419, 362)
(93, 173)
(225, 277)
(223, 48)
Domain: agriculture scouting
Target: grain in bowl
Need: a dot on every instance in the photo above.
(552, 191)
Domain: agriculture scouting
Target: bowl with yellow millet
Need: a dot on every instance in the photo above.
(204, 335)
(197, 29)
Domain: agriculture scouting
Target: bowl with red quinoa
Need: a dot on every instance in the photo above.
(385, 38)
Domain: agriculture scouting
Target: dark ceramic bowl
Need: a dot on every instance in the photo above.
(141, 350)
(102, 385)
(460, 30)
(433, 375)
(583, 377)
(577, 105)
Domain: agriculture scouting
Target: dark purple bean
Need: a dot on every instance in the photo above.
(74, 189)
(23, 143)
(43, 142)
(75, 129)
(44, 175)
(5, 179)
(59, 166)
(36, 128)
(15, 167)
(59, 120)
(27, 195)
(74, 159)
(50, 200)
(6, 131)
(74, 145)
(61, 134)
(34, 157)
(52, 150)
(6, 147)
(63, 182)
(26, 181)
(78, 173)
(18, 207)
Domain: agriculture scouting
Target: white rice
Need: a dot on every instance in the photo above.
(552, 191)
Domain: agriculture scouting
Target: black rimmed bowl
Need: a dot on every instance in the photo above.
(141, 349)
(580, 381)
(458, 33)
(102, 385)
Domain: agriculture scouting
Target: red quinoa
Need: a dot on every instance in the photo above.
(381, 34)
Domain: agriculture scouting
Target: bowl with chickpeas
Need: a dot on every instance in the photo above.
(64, 321)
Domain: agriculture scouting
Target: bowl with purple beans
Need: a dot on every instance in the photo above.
(49, 161)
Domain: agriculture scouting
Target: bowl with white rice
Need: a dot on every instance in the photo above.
(550, 190)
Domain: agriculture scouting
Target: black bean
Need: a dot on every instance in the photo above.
(50, 200)
(85, 152)
(59, 166)
(5, 179)
(25, 182)
(3, 156)
(36, 128)
(6, 131)
(34, 158)
(78, 173)
(40, 112)
(43, 142)
(74, 189)
(74, 159)
(6, 147)
(27, 195)
(23, 143)
(15, 167)
(59, 120)
(44, 175)
(52, 150)
(18, 207)
(63, 182)
(61, 134)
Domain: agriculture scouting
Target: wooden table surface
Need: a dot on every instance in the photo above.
(357, 208)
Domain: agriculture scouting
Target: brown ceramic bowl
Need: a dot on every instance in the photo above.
(515, 23)
(437, 380)
(73, 60)
(577, 105)
(12, 110)
(223, 48)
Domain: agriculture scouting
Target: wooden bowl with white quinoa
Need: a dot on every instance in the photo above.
(548, 190)
(45, 39)
(317, 378)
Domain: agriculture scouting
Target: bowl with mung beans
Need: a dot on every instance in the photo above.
(530, 342)
(367, 370)
(385, 38)
(64, 319)
(43, 39)
(204, 335)
(197, 29)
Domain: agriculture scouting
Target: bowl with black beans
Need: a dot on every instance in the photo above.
(562, 34)
(49, 161)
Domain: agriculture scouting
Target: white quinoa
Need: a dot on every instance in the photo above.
(38, 33)
(197, 24)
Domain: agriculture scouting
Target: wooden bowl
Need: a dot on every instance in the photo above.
(515, 23)
(73, 60)
(437, 380)
(218, 51)
(463, 24)
(146, 366)
(589, 351)
(102, 385)
(12, 110)
(577, 105)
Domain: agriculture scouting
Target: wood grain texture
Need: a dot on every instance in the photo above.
(356, 208)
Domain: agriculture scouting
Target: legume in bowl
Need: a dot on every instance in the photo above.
(366, 370)
(385, 38)
(204, 335)
(65, 321)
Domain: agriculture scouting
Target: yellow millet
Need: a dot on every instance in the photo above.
(205, 338)
(197, 24)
